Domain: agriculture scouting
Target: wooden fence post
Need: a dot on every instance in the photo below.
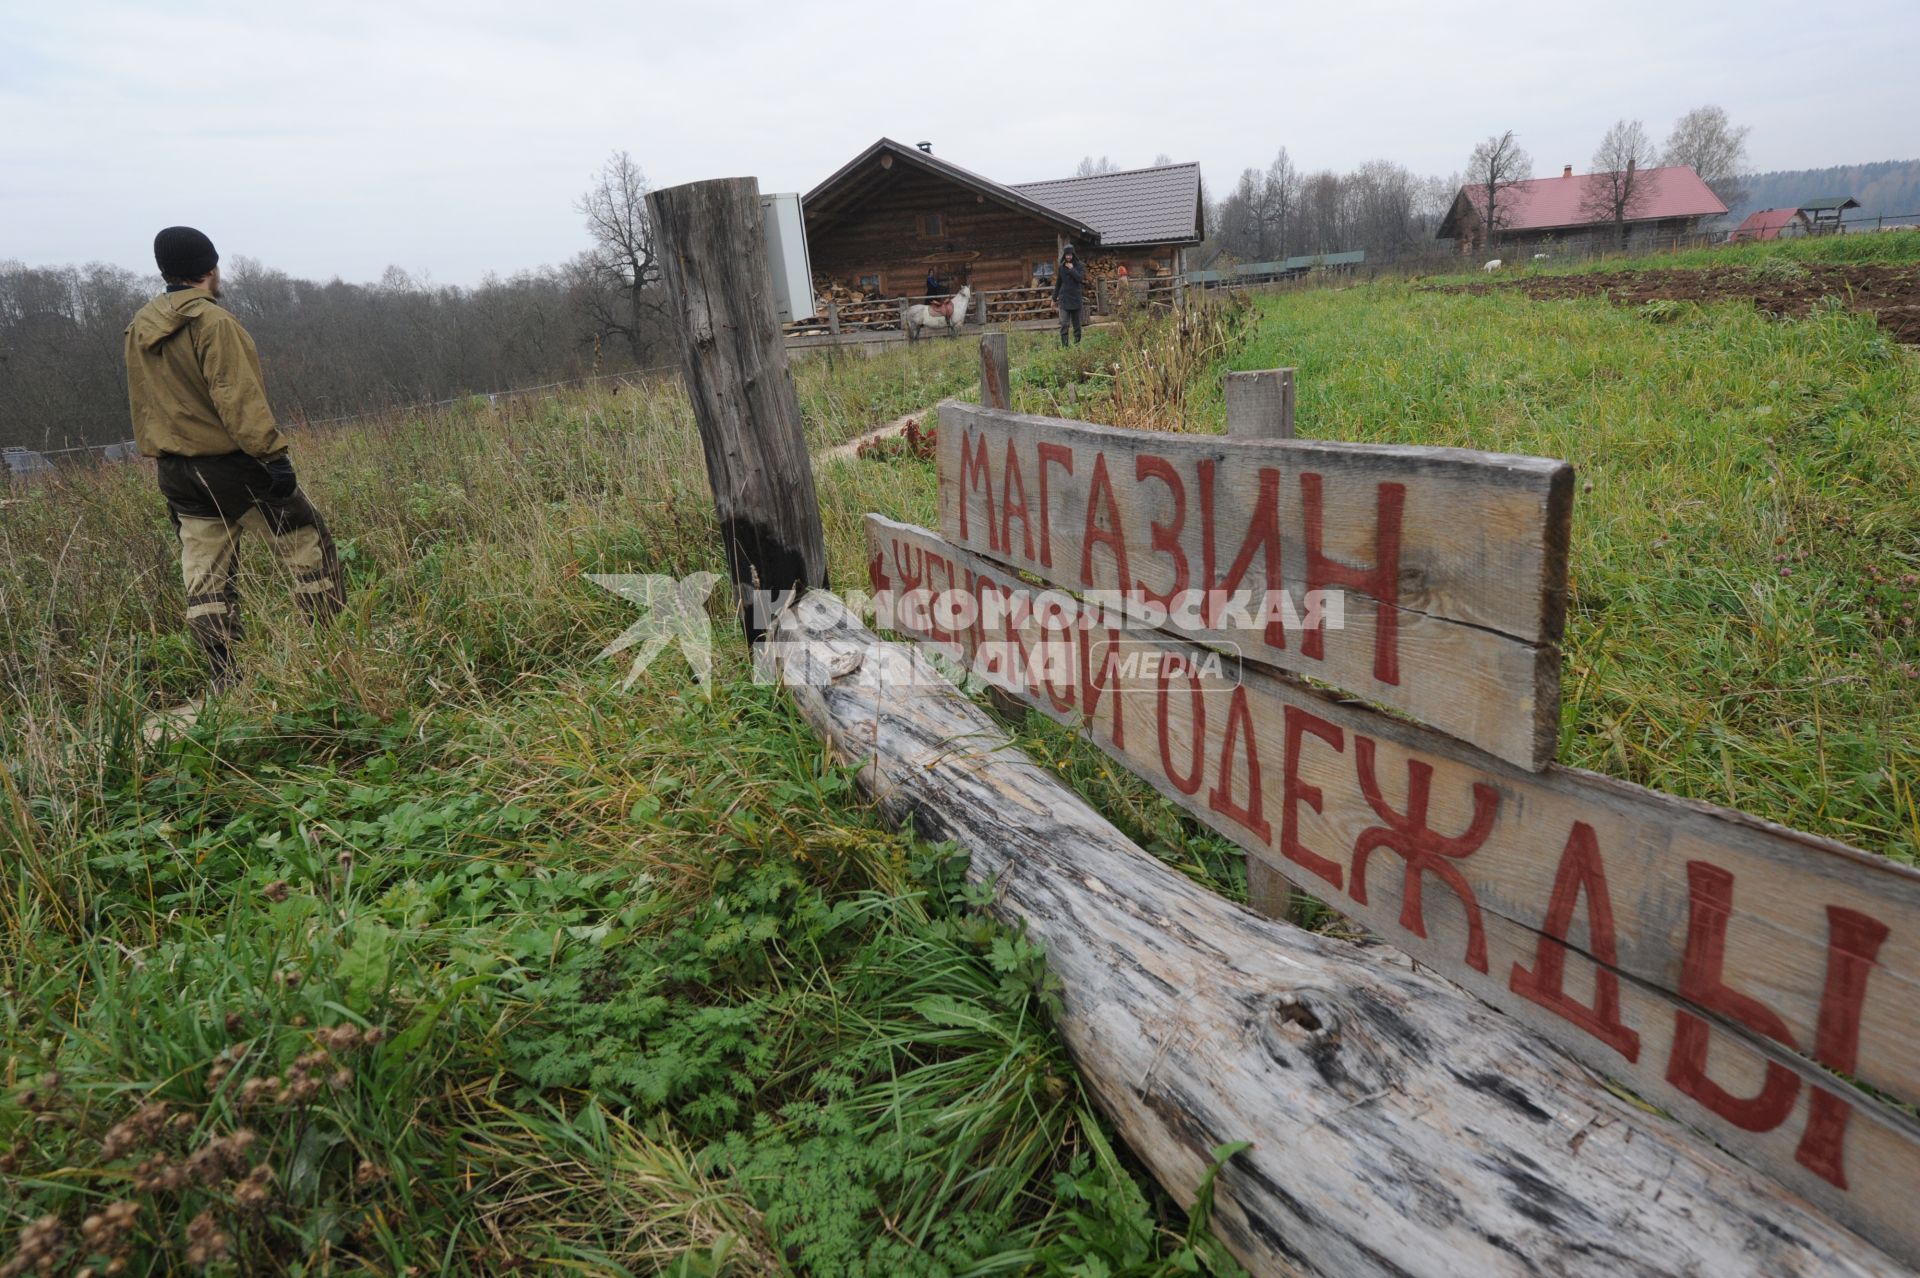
(1260, 405)
(715, 266)
(996, 378)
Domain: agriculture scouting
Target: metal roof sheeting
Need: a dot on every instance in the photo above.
(1553, 203)
(1160, 205)
(1765, 225)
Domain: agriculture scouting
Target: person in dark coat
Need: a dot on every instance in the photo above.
(933, 284)
(1069, 293)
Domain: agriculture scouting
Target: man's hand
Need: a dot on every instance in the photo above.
(283, 483)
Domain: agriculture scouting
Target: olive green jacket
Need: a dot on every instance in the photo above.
(193, 381)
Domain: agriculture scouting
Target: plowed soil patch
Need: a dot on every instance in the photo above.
(1891, 294)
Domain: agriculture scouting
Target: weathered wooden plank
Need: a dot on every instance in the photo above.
(1451, 564)
(1259, 404)
(714, 260)
(1715, 963)
(1398, 1127)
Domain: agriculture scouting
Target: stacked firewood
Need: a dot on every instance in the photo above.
(856, 309)
(1015, 305)
(831, 290)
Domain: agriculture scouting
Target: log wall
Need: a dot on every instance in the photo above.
(880, 234)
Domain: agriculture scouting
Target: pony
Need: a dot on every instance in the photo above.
(922, 317)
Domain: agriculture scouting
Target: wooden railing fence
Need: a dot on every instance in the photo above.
(1441, 1114)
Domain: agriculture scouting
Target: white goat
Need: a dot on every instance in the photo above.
(1492, 266)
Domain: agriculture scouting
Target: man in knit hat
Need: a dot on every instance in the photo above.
(200, 407)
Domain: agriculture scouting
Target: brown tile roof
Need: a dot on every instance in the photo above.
(851, 172)
(1160, 205)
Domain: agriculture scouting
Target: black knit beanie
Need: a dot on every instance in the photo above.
(183, 253)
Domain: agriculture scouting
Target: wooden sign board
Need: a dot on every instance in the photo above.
(1718, 965)
(1448, 567)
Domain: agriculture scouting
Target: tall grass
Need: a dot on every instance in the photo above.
(429, 950)
(1746, 551)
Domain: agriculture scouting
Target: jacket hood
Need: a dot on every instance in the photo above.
(168, 314)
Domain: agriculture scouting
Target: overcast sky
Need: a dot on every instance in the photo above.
(453, 139)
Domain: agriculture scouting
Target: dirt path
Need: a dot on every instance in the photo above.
(851, 449)
(1891, 294)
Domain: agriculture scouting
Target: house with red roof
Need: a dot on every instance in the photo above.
(1574, 207)
(1809, 217)
(1772, 224)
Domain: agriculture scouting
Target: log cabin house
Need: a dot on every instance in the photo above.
(894, 212)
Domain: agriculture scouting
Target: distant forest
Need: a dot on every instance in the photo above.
(1888, 188)
(332, 349)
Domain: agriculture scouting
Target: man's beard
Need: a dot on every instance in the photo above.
(213, 287)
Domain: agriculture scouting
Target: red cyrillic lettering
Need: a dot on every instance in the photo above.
(1263, 536)
(1056, 455)
(1581, 870)
(975, 465)
(1095, 686)
(1423, 849)
(1380, 582)
(1709, 905)
(1166, 537)
(1113, 536)
(1010, 478)
(1294, 791)
(1853, 944)
(1220, 799)
(1198, 707)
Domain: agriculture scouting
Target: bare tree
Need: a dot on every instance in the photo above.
(1705, 141)
(1279, 193)
(1162, 159)
(622, 259)
(1496, 164)
(1322, 213)
(1619, 187)
(1090, 167)
(1236, 222)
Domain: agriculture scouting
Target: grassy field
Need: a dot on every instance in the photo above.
(431, 950)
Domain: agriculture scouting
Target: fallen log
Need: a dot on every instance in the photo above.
(1399, 1126)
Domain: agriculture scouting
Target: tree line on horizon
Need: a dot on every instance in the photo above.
(1393, 213)
(332, 349)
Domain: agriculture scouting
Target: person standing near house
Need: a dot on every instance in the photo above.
(200, 409)
(1069, 293)
(934, 288)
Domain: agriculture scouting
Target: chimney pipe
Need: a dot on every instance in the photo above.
(1567, 172)
(925, 146)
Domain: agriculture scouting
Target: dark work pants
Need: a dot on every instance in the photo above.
(212, 500)
(1069, 318)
